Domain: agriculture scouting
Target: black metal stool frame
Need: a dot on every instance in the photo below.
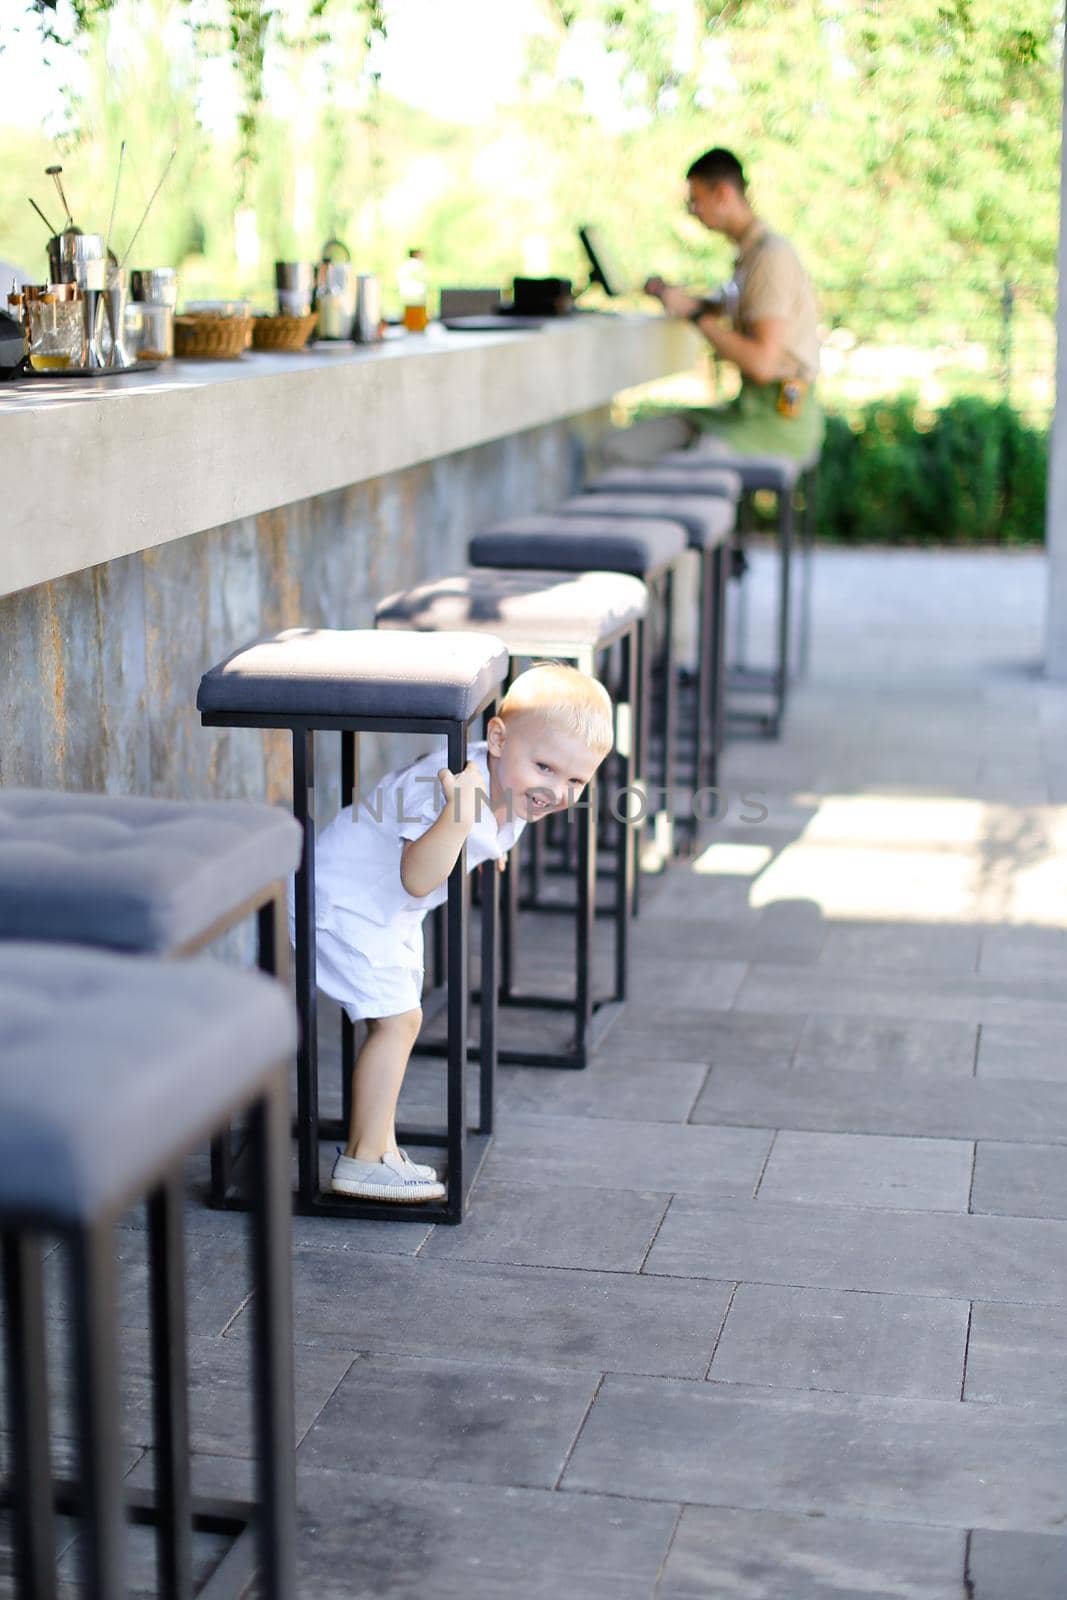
(272, 956)
(465, 1154)
(743, 679)
(808, 528)
(592, 1017)
(98, 1494)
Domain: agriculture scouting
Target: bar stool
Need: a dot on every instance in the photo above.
(112, 1072)
(581, 618)
(351, 682)
(708, 521)
(778, 475)
(156, 877)
(649, 549)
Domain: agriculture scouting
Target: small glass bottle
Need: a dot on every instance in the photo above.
(414, 292)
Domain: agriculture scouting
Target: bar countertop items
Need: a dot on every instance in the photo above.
(96, 469)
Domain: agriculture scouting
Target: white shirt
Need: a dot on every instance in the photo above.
(359, 896)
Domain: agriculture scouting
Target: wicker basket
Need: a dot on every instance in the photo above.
(282, 332)
(199, 335)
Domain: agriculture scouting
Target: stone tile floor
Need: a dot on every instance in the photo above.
(769, 1302)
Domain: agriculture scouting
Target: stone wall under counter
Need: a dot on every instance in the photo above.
(100, 669)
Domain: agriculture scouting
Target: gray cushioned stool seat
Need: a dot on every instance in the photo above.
(778, 473)
(357, 673)
(112, 1068)
(522, 608)
(642, 548)
(670, 479)
(132, 873)
(707, 519)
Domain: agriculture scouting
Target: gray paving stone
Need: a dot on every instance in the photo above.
(866, 1170)
(455, 1423)
(533, 1226)
(777, 933)
(141, 1565)
(895, 947)
(220, 1388)
(1016, 1355)
(650, 1156)
(66, 1531)
(665, 1092)
(923, 1106)
(1021, 1180)
(845, 1341)
(366, 1536)
(698, 985)
(583, 1321)
(892, 1045)
(923, 1461)
(1007, 1051)
(1024, 952)
(758, 1555)
(218, 1281)
(1009, 1566)
(785, 988)
(726, 1037)
(898, 1252)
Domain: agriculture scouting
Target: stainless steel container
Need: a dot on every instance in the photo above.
(155, 289)
(295, 283)
(154, 286)
(157, 333)
(335, 299)
(335, 292)
(367, 322)
(84, 260)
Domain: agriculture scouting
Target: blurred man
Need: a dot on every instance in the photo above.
(764, 321)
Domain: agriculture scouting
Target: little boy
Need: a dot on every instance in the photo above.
(378, 873)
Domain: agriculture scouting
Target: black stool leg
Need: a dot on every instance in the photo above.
(349, 796)
(720, 586)
(509, 920)
(170, 1389)
(811, 512)
(31, 1478)
(98, 1411)
(669, 711)
(585, 878)
(271, 1245)
(307, 1057)
(272, 956)
(487, 1040)
(745, 521)
(456, 963)
(785, 560)
(626, 834)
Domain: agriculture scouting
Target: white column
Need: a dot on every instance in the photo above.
(1056, 517)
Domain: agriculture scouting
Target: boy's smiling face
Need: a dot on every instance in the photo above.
(535, 767)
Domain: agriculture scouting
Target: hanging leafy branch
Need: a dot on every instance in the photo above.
(248, 26)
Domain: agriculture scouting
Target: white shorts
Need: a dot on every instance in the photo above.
(363, 989)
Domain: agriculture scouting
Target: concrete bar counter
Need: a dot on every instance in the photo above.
(152, 523)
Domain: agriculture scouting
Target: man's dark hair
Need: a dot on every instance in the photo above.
(718, 166)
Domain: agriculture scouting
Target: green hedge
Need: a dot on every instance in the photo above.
(974, 474)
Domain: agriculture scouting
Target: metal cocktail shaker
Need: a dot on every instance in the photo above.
(115, 311)
(295, 283)
(367, 323)
(84, 262)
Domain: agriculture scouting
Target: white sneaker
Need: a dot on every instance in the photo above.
(417, 1169)
(388, 1179)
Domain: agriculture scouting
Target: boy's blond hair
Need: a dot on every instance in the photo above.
(567, 699)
